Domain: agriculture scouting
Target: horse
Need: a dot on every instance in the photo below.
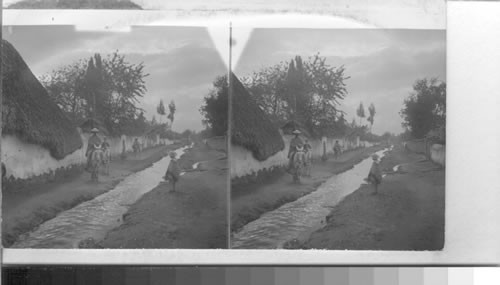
(96, 159)
(298, 164)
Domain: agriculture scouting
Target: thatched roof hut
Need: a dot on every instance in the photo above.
(251, 128)
(29, 113)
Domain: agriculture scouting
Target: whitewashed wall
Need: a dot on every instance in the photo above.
(243, 163)
(438, 154)
(24, 160)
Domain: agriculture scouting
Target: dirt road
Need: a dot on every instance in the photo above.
(250, 201)
(195, 216)
(407, 214)
(24, 210)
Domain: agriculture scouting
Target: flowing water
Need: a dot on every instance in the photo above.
(94, 218)
(299, 218)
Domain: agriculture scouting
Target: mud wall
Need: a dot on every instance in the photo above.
(244, 164)
(438, 154)
(24, 160)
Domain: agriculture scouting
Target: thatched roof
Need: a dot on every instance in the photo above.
(251, 128)
(29, 113)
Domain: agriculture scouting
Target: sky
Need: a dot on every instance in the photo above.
(382, 64)
(182, 61)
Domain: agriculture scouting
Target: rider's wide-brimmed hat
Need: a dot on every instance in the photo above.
(299, 148)
(94, 130)
(296, 132)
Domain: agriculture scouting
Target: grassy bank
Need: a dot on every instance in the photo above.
(406, 214)
(195, 216)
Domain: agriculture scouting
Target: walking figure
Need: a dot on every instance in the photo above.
(375, 174)
(337, 149)
(173, 171)
(106, 155)
(136, 147)
(308, 158)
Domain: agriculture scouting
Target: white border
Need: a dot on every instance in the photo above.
(473, 153)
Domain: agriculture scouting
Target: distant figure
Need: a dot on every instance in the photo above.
(375, 174)
(124, 151)
(93, 141)
(173, 171)
(136, 146)
(337, 149)
(294, 143)
(307, 145)
(106, 155)
(298, 163)
(105, 144)
(4, 171)
(308, 158)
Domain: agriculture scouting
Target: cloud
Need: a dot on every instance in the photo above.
(382, 64)
(182, 62)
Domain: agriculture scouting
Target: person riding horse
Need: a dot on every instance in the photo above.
(93, 141)
(294, 143)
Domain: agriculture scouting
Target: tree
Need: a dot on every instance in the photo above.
(65, 87)
(306, 91)
(153, 121)
(160, 109)
(360, 112)
(187, 133)
(371, 117)
(425, 108)
(105, 89)
(215, 107)
(171, 114)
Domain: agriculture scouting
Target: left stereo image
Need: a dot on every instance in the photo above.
(113, 139)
